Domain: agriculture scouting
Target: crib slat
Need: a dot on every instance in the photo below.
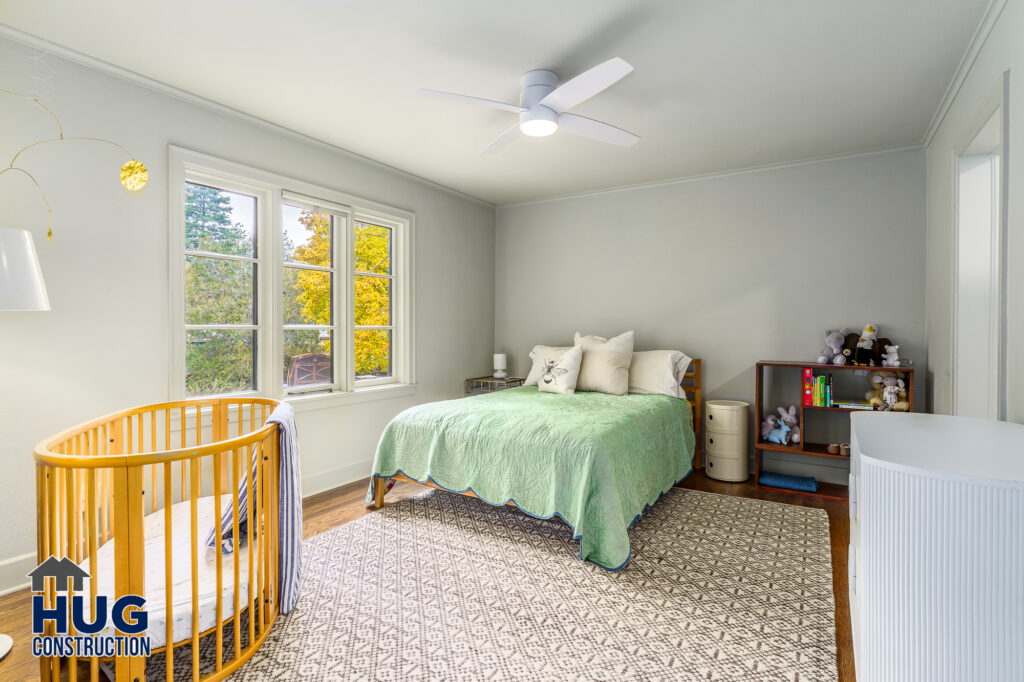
(199, 441)
(182, 430)
(80, 540)
(261, 539)
(220, 561)
(42, 538)
(275, 504)
(103, 448)
(194, 509)
(251, 503)
(51, 593)
(94, 663)
(168, 574)
(129, 557)
(72, 553)
(61, 519)
(234, 539)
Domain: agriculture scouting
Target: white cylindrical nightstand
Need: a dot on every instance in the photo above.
(725, 426)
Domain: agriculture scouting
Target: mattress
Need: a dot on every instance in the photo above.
(181, 574)
(595, 460)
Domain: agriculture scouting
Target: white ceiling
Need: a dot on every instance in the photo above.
(718, 85)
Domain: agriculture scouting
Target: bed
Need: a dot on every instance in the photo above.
(596, 461)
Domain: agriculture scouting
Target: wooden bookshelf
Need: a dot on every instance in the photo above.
(809, 413)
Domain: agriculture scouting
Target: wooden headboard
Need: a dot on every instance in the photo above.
(693, 385)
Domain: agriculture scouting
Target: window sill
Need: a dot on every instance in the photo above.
(321, 401)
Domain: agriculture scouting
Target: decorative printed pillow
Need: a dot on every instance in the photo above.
(559, 369)
(536, 370)
(658, 372)
(605, 365)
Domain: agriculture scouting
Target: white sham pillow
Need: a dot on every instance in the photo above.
(535, 371)
(558, 369)
(605, 364)
(658, 372)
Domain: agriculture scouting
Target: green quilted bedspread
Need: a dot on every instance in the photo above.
(595, 460)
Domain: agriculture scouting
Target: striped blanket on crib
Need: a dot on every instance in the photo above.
(289, 511)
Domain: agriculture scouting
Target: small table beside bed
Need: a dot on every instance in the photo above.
(596, 461)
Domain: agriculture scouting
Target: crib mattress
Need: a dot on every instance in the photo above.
(181, 574)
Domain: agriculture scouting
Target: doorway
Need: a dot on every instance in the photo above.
(979, 361)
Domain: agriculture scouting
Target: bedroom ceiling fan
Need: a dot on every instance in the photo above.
(543, 105)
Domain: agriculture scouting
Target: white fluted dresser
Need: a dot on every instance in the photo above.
(936, 548)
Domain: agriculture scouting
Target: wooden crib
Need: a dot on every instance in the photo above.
(128, 475)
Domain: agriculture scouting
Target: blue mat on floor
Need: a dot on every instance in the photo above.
(803, 483)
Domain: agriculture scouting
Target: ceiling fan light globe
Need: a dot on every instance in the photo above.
(538, 127)
(539, 121)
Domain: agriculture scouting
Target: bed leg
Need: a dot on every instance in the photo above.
(379, 487)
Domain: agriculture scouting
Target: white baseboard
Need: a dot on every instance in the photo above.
(14, 572)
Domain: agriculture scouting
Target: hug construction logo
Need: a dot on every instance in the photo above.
(70, 612)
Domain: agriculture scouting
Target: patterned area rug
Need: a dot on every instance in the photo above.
(445, 587)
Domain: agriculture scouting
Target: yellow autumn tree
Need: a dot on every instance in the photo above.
(372, 295)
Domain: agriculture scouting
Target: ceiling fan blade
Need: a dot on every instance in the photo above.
(515, 108)
(595, 130)
(502, 141)
(587, 84)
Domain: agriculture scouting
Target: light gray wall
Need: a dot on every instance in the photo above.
(1004, 50)
(104, 345)
(732, 269)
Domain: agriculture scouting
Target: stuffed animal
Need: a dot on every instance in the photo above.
(832, 351)
(789, 419)
(866, 349)
(891, 356)
(780, 435)
(866, 355)
(889, 393)
(768, 425)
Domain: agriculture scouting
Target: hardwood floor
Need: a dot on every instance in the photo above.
(341, 505)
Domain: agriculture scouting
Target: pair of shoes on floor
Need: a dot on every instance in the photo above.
(839, 449)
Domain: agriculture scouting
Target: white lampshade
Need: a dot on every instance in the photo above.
(21, 280)
(500, 361)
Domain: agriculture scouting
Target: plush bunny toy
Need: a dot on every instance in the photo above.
(789, 419)
(780, 435)
(768, 425)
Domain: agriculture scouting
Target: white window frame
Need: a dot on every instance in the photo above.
(340, 255)
(271, 191)
(397, 302)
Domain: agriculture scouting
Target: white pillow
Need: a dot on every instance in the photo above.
(558, 369)
(536, 370)
(605, 365)
(658, 372)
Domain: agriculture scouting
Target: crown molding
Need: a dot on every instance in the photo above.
(721, 174)
(76, 57)
(963, 69)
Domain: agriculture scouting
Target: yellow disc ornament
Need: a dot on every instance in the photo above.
(134, 175)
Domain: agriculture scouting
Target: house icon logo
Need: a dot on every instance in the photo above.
(61, 570)
(67, 622)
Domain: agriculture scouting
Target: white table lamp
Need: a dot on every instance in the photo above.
(500, 363)
(21, 280)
